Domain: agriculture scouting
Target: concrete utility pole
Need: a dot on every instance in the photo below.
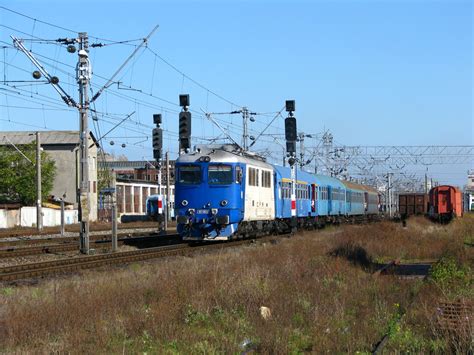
(389, 193)
(62, 217)
(39, 212)
(426, 183)
(113, 196)
(83, 74)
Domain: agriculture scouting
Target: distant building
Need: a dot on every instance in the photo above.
(135, 182)
(138, 170)
(63, 148)
(470, 181)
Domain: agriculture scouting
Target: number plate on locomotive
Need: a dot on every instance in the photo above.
(202, 211)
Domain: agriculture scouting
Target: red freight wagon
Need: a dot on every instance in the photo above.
(410, 204)
(445, 203)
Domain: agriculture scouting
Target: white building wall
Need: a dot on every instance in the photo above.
(26, 217)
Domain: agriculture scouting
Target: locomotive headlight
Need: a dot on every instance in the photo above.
(184, 202)
(205, 159)
(191, 211)
(224, 202)
(213, 211)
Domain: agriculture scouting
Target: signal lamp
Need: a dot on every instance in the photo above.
(184, 100)
(290, 105)
(157, 119)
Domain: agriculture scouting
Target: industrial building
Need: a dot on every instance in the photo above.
(63, 148)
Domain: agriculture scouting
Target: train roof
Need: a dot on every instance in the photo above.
(304, 176)
(227, 153)
(354, 186)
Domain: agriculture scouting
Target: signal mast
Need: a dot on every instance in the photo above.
(290, 136)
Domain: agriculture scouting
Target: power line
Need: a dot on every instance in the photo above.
(191, 79)
(37, 20)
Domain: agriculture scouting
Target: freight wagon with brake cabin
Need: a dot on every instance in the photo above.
(445, 203)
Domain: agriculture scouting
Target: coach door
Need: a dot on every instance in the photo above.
(329, 197)
(313, 197)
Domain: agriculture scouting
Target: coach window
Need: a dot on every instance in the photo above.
(189, 174)
(220, 175)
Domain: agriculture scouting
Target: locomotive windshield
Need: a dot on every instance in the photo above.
(220, 175)
(189, 174)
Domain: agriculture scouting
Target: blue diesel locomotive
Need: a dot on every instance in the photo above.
(223, 193)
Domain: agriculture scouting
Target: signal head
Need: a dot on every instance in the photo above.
(290, 105)
(157, 119)
(184, 100)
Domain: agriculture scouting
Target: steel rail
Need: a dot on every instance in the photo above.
(9, 244)
(32, 270)
(72, 244)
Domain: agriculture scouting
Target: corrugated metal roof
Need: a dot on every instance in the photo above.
(125, 164)
(46, 137)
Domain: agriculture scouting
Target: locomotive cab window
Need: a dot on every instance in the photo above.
(238, 174)
(220, 175)
(189, 174)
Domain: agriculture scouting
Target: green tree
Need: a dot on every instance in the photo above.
(18, 175)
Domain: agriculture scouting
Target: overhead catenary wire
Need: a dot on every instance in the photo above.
(145, 103)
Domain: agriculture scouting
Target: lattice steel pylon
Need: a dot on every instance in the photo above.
(372, 164)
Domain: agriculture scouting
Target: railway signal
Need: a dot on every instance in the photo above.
(290, 135)
(157, 155)
(157, 138)
(290, 127)
(184, 124)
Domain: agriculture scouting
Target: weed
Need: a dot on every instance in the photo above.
(451, 277)
(405, 341)
(189, 305)
(299, 342)
(7, 291)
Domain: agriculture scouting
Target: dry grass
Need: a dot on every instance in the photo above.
(420, 240)
(211, 303)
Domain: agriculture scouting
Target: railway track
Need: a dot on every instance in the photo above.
(72, 245)
(34, 270)
(97, 237)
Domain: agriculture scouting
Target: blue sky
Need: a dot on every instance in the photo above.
(372, 72)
